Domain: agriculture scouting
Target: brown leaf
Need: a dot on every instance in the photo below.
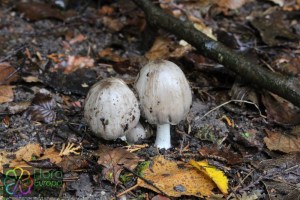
(77, 38)
(26, 152)
(6, 93)
(108, 54)
(67, 163)
(114, 25)
(164, 47)
(77, 62)
(287, 65)
(37, 11)
(282, 142)
(274, 34)
(106, 10)
(41, 109)
(280, 163)
(52, 154)
(71, 163)
(280, 110)
(222, 154)
(113, 161)
(7, 74)
(4, 159)
(159, 49)
(278, 189)
(231, 4)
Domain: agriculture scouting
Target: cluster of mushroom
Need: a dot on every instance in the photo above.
(112, 110)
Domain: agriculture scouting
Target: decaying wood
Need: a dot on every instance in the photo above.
(286, 87)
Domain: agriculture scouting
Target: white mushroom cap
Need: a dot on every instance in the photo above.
(136, 133)
(164, 92)
(111, 109)
(165, 97)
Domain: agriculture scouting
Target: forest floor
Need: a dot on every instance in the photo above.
(51, 55)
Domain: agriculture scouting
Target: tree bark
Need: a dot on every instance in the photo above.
(284, 86)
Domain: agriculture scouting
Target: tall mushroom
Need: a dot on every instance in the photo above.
(111, 109)
(165, 97)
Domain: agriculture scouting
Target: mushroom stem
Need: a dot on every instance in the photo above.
(163, 137)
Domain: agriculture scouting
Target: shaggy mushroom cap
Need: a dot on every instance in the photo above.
(111, 109)
(164, 92)
(165, 97)
(136, 134)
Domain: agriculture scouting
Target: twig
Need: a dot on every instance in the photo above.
(284, 86)
(145, 180)
(227, 102)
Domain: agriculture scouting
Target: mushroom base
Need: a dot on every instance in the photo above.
(163, 137)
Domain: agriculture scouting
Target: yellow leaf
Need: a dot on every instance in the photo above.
(216, 175)
(175, 179)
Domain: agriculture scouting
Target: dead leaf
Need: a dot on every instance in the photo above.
(278, 189)
(176, 179)
(274, 34)
(71, 163)
(281, 163)
(77, 62)
(222, 154)
(231, 4)
(7, 74)
(226, 5)
(6, 93)
(77, 38)
(4, 159)
(159, 48)
(27, 152)
(164, 47)
(106, 10)
(215, 174)
(113, 161)
(6, 121)
(280, 110)
(108, 54)
(287, 65)
(296, 130)
(41, 109)
(37, 11)
(53, 154)
(66, 163)
(282, 142)
(112, 24)
(33, 155)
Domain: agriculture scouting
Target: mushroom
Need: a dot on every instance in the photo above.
(165, 97)
(111, 109)
(136, 134)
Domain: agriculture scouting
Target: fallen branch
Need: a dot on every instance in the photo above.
(286, 87)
